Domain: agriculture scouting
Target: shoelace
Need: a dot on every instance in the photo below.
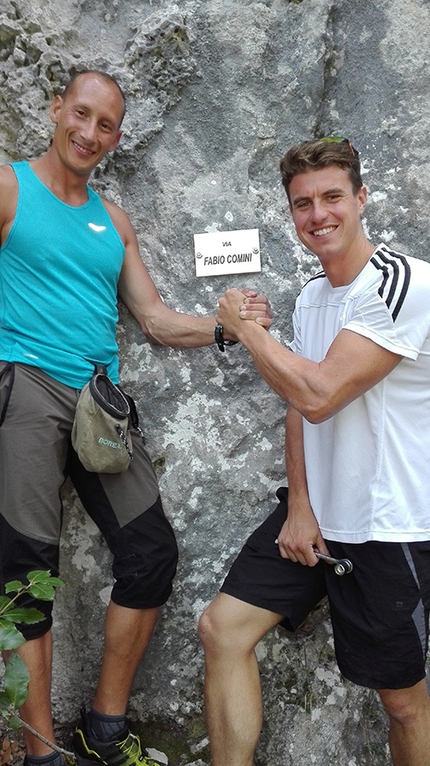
(130, 750)
(133, 749)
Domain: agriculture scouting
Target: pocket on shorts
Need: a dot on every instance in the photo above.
(7, 377)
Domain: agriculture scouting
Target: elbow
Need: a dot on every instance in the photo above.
(146, 332)
(149, 329)
(152, 339)
(321, 398)
(315, 417)
(318, 410)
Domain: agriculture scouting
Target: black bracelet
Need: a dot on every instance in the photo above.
(219, 339)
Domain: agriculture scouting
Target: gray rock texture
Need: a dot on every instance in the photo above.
(217, 91)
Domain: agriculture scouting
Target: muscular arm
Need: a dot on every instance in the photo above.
(160, 323)
(318, 390)
(300, 532)
(8, 200)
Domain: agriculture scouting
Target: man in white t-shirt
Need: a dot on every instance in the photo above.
(356, 381)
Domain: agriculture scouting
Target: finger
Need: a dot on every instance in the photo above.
(252, 313)
(322, 548)
(253, 302)
(284, 550)
(263, 322)
(257, 308)
(286, 553)
(257, 298)
(261, 319)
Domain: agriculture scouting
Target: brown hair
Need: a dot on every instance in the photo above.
(320, 153)
(104, 75)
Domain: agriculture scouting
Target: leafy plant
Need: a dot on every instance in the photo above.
(41, 585)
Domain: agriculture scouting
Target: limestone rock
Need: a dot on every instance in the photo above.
(217, 91)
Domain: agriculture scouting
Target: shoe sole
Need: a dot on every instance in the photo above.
(82, 761)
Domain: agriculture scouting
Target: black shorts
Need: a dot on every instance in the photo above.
(379, 612)
(35, 458)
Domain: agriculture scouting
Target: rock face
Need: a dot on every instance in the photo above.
(217, 91)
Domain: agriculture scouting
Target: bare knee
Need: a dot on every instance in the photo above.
(225, 627)
(214, 630)
(234, 627)
(397, 706)
(404, 706)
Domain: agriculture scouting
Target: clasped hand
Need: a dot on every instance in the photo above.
(237, 305)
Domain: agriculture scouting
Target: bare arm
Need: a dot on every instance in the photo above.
(160, 323)
(318, 390)
(8, 200)
(300, 532)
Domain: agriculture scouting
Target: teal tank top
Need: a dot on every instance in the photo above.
(59, 271)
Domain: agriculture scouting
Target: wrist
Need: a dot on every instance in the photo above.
(220, 340)
(250, 332)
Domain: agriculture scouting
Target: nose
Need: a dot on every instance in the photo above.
(88, 130)
(319, 211)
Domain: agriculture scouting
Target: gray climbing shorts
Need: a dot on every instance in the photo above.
(36, 456)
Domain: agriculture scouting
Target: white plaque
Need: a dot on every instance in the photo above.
(227, 252)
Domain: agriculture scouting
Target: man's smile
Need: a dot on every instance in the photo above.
(322, 232)
(82, 149)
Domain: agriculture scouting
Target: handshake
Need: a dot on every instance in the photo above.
(236, 306)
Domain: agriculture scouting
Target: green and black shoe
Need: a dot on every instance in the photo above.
(126, 751)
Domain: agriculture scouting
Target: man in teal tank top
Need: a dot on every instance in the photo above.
(65, 256)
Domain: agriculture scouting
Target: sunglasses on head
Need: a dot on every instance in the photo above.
(339, 140)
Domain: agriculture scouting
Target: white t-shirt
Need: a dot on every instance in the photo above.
(368, 467)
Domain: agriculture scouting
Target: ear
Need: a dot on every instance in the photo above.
(55, 108)
(115, 141)
(362, 199)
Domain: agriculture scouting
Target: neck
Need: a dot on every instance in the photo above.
(344, 268)
(67, 185)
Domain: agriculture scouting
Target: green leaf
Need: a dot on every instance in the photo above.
(16, 680)
(4, 603)
(25, 614)
(56, 582)
(4, 704)
(42, 585)
(39, 575)
(42, 591)
(10, 637)
(14, 586)
(14, 723)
